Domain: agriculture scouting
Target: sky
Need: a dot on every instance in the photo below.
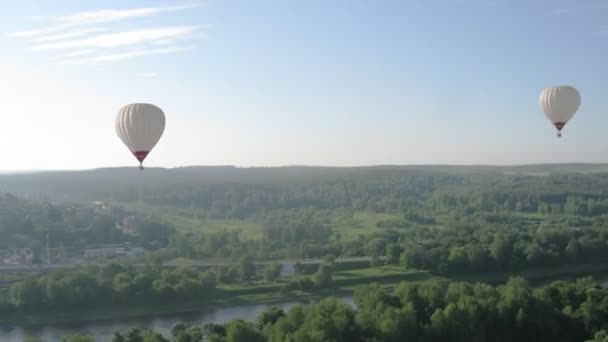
(301, 82)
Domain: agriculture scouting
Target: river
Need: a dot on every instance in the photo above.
(103, 331)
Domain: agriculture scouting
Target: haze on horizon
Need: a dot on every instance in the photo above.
(272, 83)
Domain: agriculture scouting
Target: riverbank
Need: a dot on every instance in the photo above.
(343, 284)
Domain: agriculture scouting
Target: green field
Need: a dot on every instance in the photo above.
(352, 224)
(348, 226)
(247, 229)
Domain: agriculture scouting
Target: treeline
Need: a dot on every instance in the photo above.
(390, 191)
(120, 285)
(226, 192)
(429, 311)
(472, 249)
(111, 284)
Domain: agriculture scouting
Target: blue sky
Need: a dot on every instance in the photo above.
(315, 82)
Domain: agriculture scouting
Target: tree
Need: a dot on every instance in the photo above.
(269, 317)
(272, 272)
(323, 276)
(241, 331)
(329, 261)
(393, 253)
(600, 336)
(77, 338)
(227, 274)
(501, 250)
(247, 267)
(371, 301)
(152, 336)
(178, 329)
(329, 320)
(25, 294)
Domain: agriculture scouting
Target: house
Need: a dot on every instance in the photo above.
(16, 256)
(112, 251)
(104, 251)
(129, 224)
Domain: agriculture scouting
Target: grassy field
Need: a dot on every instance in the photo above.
(248, 229)
(349, 226)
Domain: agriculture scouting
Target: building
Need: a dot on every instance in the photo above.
(129, 224)
(16, 256)
(112, 251)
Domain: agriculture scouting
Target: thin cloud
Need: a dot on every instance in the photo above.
(91, 37)
(78, 53)
(131, 54)
(32, 33)
(73, 34)
(34, 17)
(98, 17)
(110, 15)
(121, 39)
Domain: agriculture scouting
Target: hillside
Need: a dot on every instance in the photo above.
(105, 182)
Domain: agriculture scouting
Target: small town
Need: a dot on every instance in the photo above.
(65, 255)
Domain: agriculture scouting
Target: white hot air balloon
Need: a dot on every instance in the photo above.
(140, 126)
(559, 104)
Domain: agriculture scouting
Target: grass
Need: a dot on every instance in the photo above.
(359, 223)
(248, 229)
(347, 225)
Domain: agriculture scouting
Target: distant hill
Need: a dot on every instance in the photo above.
(17, 172)
(103, 182)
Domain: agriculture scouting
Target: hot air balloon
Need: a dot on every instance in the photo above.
(140, 126)
(559, 104)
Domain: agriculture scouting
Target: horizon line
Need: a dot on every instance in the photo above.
(29, 171)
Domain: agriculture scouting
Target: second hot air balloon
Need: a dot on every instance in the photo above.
(559, 104)
(140, 127)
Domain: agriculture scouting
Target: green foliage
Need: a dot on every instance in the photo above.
(427, 311)
(24, 223)
(272, 272)
(247, 267)
(393, 253)
(241, 331)
(227, 274)
(77, 338)
(269, 317)
(329, 261)
(600, 336)
(137, 335)
(474, 249)
(323, 276)
(88, 287)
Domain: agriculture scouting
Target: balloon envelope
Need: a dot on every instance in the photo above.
(140, 126)
(559, 104)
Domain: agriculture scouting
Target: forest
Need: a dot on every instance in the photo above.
(427, 311)
(452, 222)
